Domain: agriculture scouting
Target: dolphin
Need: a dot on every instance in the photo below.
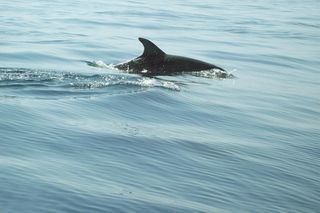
(154, 61)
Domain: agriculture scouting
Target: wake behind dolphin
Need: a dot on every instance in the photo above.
(154, 62)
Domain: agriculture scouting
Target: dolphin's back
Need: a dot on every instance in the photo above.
(154, 61)
(175, 63)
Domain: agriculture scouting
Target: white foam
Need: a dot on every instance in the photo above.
(170, 85)
(100, 64)
(148, 82)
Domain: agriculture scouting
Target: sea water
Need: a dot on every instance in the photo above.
(75, 138)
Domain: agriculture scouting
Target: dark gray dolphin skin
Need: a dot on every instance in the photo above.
(155, 62)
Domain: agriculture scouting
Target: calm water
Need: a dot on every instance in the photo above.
(76, 138)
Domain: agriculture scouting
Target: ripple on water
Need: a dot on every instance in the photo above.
(42, 83)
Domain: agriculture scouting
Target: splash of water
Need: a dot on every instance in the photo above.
(52, 81)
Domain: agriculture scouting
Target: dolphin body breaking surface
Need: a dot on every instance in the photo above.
(155, 62)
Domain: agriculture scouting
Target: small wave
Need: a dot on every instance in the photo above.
(214, 74)
(51, 82)
(152, 82)
(99, 64)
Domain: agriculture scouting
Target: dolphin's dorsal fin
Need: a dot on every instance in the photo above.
(150, 49)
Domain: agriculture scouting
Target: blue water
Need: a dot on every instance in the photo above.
(76, 138)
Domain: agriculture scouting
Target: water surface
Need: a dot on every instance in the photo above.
(76, 138)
